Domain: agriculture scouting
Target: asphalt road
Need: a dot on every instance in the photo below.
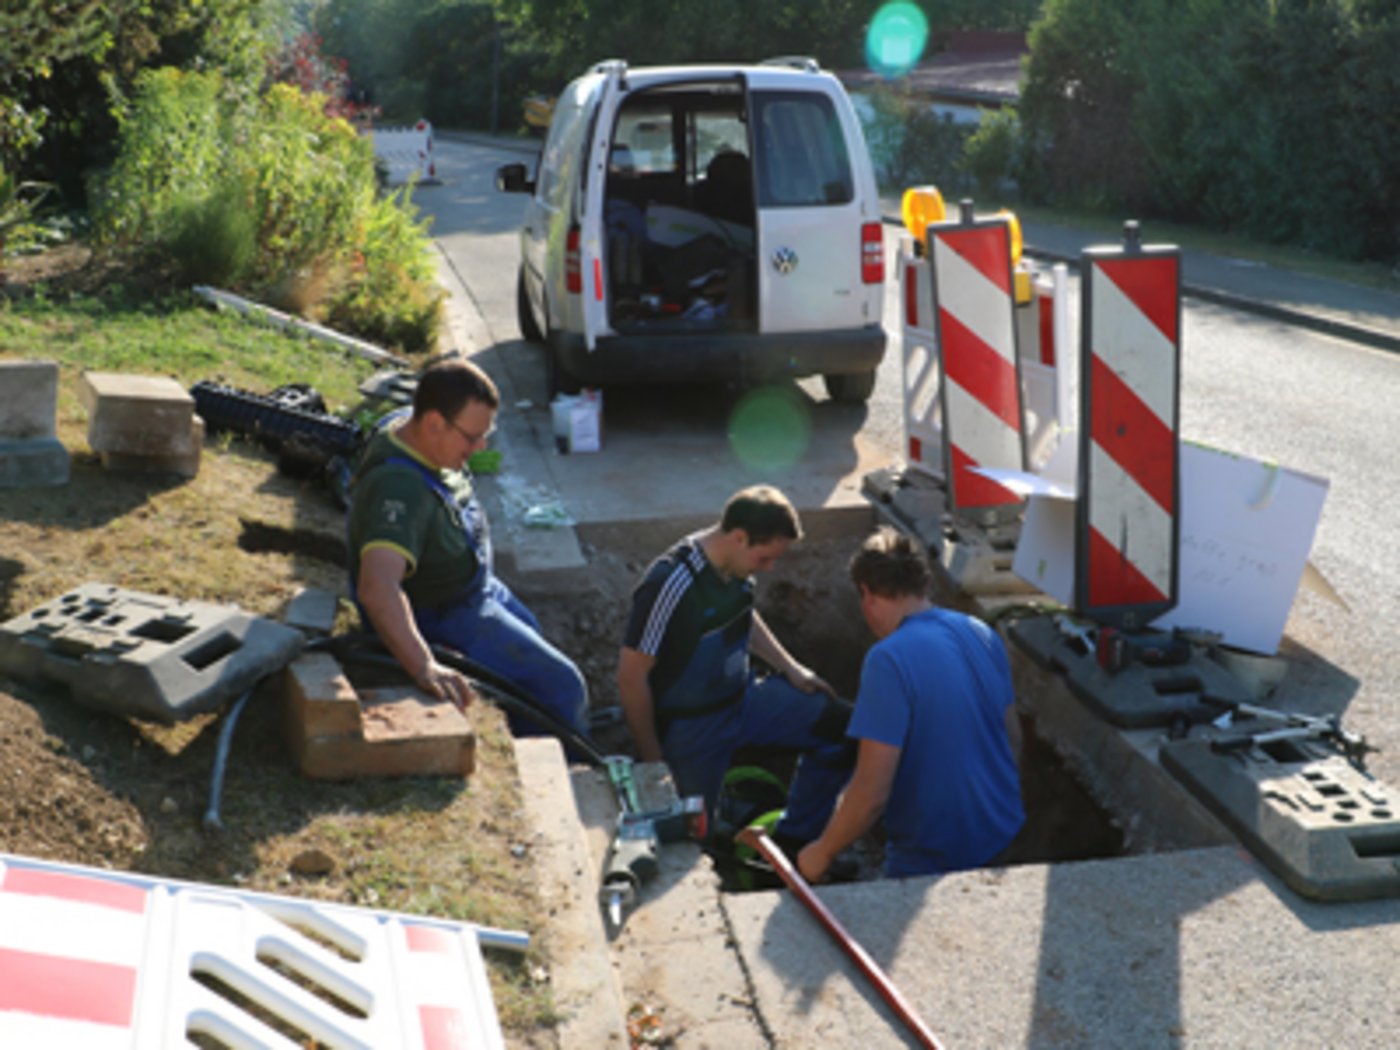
(1250, 384)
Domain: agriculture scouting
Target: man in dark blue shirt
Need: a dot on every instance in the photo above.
(688, 692)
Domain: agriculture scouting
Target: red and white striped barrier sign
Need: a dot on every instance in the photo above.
(981, 388)
(1127, 530)
(100, 960)
(923, 408)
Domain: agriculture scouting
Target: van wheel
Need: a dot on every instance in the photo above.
(852, 389)
(524, 317)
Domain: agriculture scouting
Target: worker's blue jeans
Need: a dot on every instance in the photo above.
(773, 713)
(493, 628)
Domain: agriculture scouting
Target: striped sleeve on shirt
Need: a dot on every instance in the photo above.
(668, 598)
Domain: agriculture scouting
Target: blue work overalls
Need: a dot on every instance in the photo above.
(717, 705)
(490, 626)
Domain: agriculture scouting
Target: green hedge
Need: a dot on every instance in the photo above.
(269, 197)
(1278, 119)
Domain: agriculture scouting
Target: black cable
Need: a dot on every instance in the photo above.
(367, 648)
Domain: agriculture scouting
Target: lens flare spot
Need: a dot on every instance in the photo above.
(895, 40)
(768, 429)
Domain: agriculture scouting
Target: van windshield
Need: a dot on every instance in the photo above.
(801, 149)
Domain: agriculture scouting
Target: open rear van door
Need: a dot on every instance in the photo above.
(592, 243)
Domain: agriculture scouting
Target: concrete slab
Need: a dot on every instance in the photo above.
(1198, 948)
(312, 610)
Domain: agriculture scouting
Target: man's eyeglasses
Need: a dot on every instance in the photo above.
(472, 439)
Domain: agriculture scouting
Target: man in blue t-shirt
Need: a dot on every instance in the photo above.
(937, 727)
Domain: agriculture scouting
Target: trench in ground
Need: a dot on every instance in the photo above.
(811, 605)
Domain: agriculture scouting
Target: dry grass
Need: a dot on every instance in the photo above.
(130, 794)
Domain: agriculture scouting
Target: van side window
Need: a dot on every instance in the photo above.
(801, 149)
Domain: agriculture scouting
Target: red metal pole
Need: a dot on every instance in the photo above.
(756, 839)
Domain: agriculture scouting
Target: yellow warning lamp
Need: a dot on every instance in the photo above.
(1020, 275)
(922, 205)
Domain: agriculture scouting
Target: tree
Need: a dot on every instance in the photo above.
(81, 69)
(33, 40)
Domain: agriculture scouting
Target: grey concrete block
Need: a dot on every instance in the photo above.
(1328, 830)
(312, 611)
(28, 399)
(164, 456)
(144, 655)
(33, 463)
(138, 415)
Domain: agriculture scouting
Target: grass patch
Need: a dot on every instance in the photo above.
(175, 335)
(112, 792)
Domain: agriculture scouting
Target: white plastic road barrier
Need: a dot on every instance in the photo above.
(407, 152)
(981, 388)
(103, 960)
(1039, 325)
(923, 409)
(1126, 532)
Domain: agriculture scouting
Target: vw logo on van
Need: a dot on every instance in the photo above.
(785, 260)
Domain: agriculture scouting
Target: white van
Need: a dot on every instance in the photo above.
(703, 222)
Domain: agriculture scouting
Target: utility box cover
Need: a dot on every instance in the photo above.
(142, 654)
(1246, 530)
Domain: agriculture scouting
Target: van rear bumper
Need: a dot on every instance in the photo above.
(710, 355)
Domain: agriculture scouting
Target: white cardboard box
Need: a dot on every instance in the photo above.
(578, 421)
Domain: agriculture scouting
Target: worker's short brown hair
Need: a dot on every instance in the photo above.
(447, 386)
(764, 513)
(891, 565)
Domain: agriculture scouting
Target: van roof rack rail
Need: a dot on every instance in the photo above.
(609, 65)
(806, 63)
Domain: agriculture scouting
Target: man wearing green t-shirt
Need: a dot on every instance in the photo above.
(421, 552)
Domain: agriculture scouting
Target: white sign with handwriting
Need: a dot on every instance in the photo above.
(1246, 530)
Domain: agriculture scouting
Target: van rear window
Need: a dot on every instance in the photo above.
(802, 154)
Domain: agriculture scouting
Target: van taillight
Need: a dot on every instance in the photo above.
(872, 253)
(573, 272)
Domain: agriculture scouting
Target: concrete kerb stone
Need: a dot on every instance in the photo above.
(587, 991)
(674, 952)
(30, 453)
(28, 399)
